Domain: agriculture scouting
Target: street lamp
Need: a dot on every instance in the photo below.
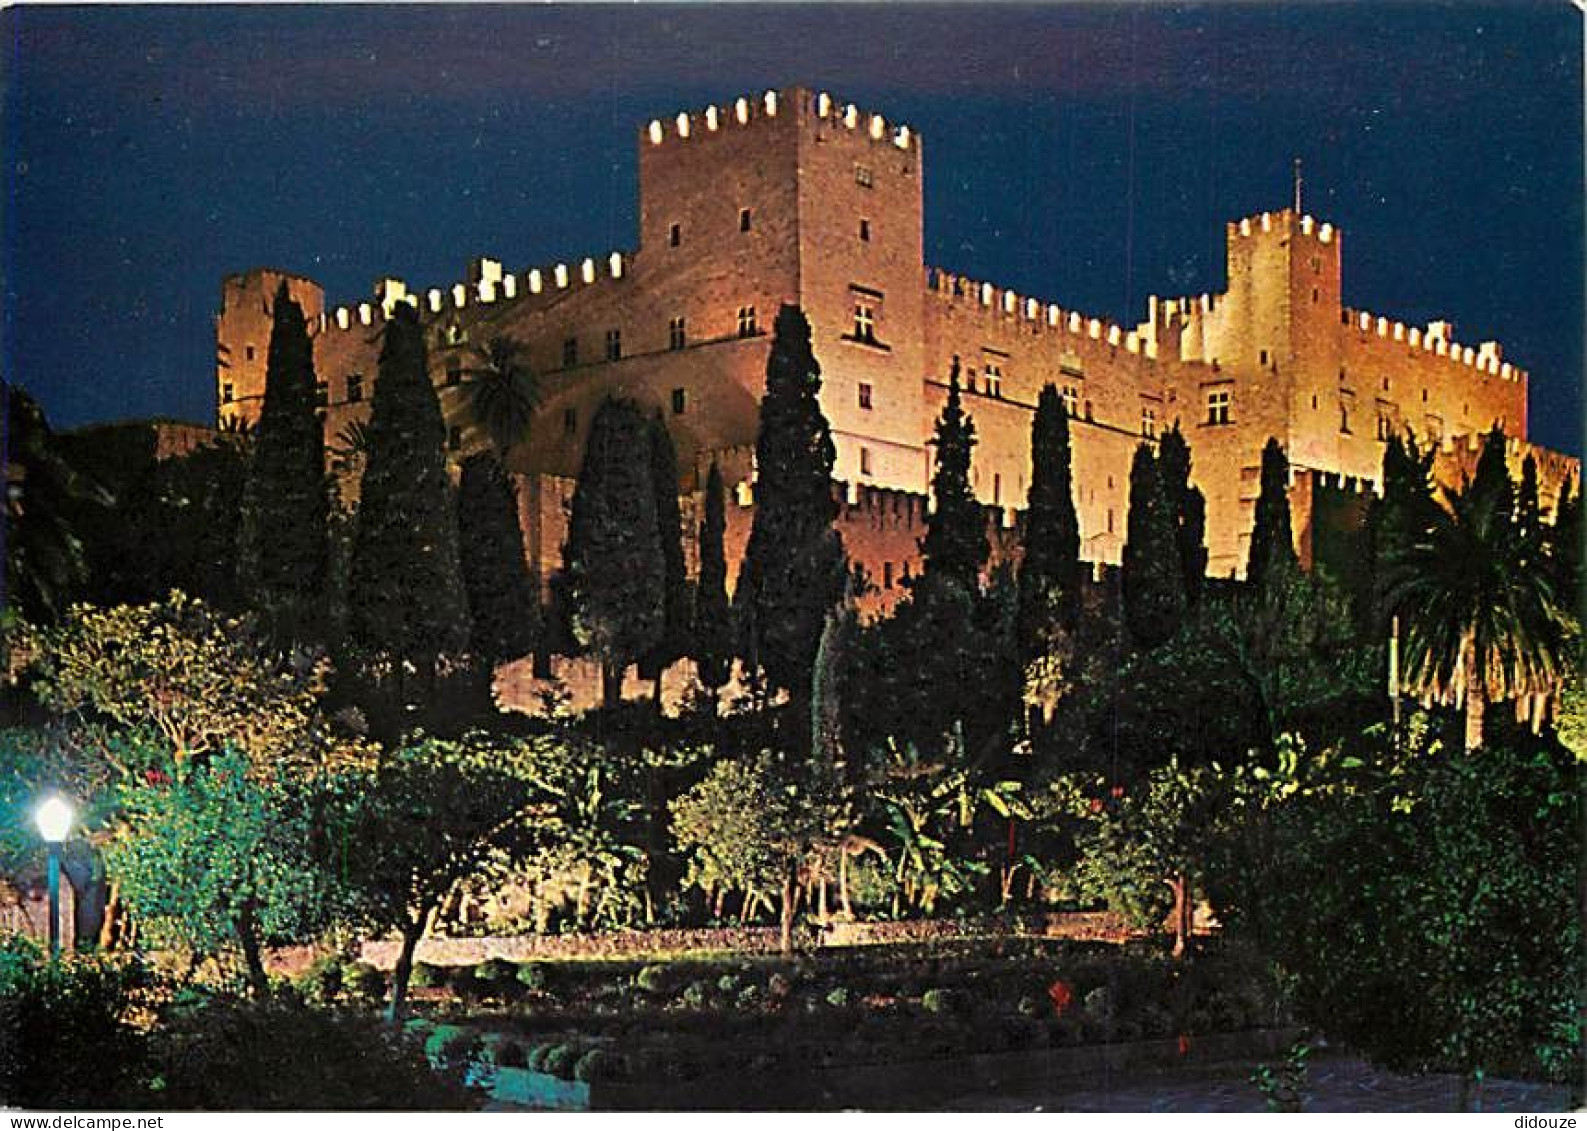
(54, 820)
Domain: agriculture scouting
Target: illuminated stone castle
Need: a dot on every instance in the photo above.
(796, 197)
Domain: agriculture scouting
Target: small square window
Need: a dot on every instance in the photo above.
(865, 461)
(614, 345)
(1264, 357)
(865, 395)
(865, 231)
(674, 235)
(743, 219)
(1149, 423)
(1218, 406)
(1344, 419)
(993, 372)
(322, 394)
(862, 176)
(355, 388)
(997, 488)
(250, 353)
(570, 421)
(570, 352)
(454, 374)
(1071, 395)
(887, 575)
(680, 401)
(676, 339)
(1385, 428)
(227, 393)
(746, 322)
(865, 322)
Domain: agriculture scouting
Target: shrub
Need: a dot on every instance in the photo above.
(1099, 1005)
(497, 973)
(58, 1019)
(559, 1061)
(511, 1054)
(534, 975)
(364, 981)
(696, 995)
(596, 1065)
(749, 997)
(536, 1060)
(428, 977)
(451, 1045)
(652, 979)
(838, 997)
(779, 986)
(269, 1056)
(321, 983)
(418, 1026)
(728, 983)
(939, 1001)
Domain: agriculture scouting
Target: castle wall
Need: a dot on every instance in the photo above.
(801, 197)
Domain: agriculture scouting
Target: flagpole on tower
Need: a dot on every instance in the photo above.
(1297, 186)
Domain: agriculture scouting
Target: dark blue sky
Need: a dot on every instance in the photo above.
(1085, 154)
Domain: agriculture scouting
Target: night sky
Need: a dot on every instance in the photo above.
(1087, 155)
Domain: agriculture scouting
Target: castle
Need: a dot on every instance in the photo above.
(795, 197)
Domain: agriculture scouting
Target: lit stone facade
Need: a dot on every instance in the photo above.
(797, 197)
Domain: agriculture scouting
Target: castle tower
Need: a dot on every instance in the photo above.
(242, 335)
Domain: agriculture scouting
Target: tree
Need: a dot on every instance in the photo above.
(406, 602)
(613, 562)
(503, 607)
(1050, 572)
(1425, 902)
(754, 827)
(1482, 620)
(1272, 542)
(712, 637)
(403, 834)
(501, 394)
(44, 558)
(219, 860)
(1188, 508)
(1142, 847)
(282, 554)
(674, 640)
(793, 567)
(199, 682)
(1154, 590)
(955, 546)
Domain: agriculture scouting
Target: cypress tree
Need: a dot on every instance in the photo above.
(1049, 572)
(674, 640)
(406, 600)
(955, 546)
(1154, 589)
(613, 563)
(1187, 509)
(283, 551)
(1272, 543)
(503, 606)
(713, 626)
(793, 566)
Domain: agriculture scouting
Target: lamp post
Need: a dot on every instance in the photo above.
(54, 820)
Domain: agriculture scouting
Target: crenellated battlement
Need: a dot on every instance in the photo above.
(1284, 221)
(488, 284)
(1043, 317)
(748, 110)
(1436, 339)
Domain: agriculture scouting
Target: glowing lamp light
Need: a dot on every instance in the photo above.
(54, 819)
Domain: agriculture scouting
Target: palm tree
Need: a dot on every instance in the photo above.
(501, 394)
(1483, 619)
